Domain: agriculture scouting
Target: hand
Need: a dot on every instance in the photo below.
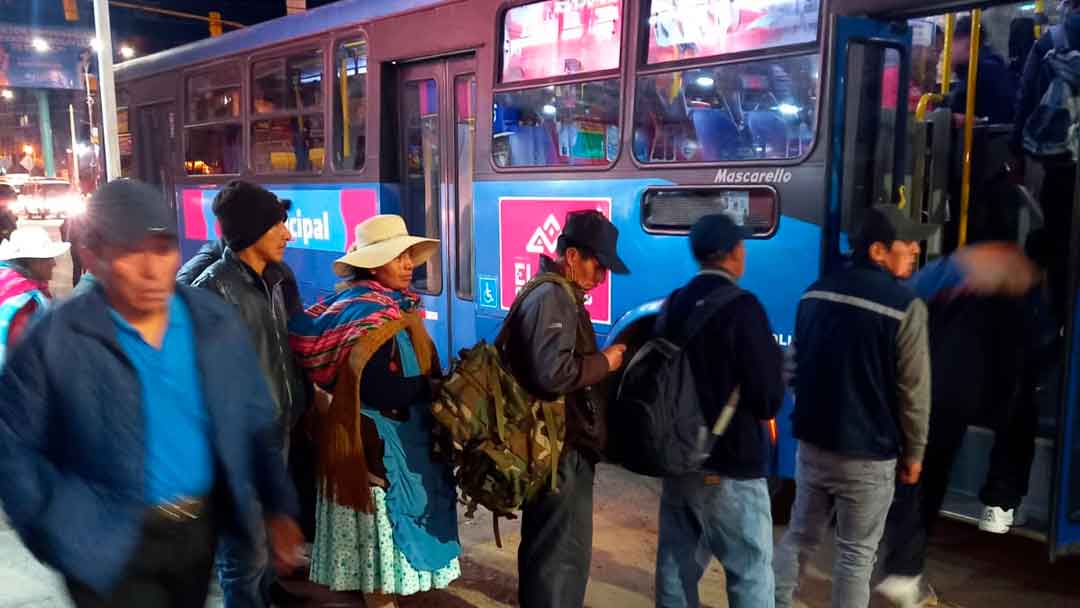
(286, 544)
(614, 356)
(909, 473)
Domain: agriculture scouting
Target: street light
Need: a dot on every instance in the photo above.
(95, 44)
(127, 52)
(40, 45)
(7, 94)
(28, 150)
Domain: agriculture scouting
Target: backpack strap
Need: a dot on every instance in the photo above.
(704, 310)
(536, 281)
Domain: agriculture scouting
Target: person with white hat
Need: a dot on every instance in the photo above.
(386, 520)
(27, 259)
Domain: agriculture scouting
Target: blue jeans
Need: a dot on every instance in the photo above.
(244, 572)
(858, 492)
(704, 516)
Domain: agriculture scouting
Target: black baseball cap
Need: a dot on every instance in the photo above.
(715, 234)
(592, 231)
(125, 211)
(887, 223)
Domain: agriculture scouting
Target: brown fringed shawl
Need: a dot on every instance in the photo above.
(334, 341)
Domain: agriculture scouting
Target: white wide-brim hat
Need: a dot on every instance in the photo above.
(381, 239)
(31, 242)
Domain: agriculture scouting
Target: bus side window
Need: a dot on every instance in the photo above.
(350, 105)
(288, 134)
(212, 132)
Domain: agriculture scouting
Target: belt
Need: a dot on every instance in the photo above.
(181, 509)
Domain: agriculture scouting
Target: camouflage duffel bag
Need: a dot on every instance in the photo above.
(504, 443)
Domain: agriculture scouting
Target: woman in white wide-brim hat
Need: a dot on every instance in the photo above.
(27, 259)
(386, 518)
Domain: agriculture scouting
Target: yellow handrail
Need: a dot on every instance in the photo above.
(946, 53)
(969, 121)
(924, 104)
(1040, 10)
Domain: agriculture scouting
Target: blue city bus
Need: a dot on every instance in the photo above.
(490, 120)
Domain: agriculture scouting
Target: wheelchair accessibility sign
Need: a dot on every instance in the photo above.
(489, 291)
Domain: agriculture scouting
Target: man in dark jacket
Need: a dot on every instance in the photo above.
(995, 85)
(135, 424)
(726, 508)
(862, 390)
(551, 349)
(250, 276)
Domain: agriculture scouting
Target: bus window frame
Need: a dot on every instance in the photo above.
(250, 117)
(734, 59)
(775, 226)
(335, 41)
(642, 52)
(185, 75)
(618, 74)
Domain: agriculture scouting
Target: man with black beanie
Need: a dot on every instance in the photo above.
(252, 276)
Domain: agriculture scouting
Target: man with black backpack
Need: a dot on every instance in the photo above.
(550, 347)
(735, 362)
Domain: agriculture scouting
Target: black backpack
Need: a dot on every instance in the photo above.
(659, 421)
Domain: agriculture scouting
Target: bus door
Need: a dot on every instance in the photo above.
(437, 136)
(155, 129)
(866, 155)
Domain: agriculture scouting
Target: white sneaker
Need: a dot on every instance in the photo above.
(902, 591)
(996, 520)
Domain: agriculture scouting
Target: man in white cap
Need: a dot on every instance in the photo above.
(27, 260)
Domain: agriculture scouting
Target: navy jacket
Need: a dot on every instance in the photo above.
(995, 90)
(862, 386)
(72, 437)
(1037, 76)
(737, 348)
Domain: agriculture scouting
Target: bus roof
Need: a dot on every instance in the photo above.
(900, 8)
(282, 29)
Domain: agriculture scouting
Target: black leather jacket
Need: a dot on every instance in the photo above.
(263, 303)
(207, 255)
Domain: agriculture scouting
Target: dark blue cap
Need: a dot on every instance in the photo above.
(715, 234)
(125, 211)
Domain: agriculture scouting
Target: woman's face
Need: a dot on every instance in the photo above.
(396, 274)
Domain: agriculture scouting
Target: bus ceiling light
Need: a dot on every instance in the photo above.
(705, 81)
(40, 45)
(788, 110)
(28, 150)
(549, 109)
(7, 94)
(82, 149)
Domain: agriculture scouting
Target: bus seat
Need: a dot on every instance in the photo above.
(769, 133)
(716, 132)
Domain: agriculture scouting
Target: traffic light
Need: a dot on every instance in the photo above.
(215, 23)
(71, 10)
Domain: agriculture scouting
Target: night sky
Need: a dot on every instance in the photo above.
(147, 32)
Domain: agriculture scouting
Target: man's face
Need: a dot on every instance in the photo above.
(43, 269)
(959, 59)
(900, 259)
(586, 271)
(271, 245)
(141, 276)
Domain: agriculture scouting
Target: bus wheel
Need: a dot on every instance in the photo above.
(782, 492)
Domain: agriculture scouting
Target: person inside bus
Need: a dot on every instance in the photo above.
(386, 518)
(249, 276)
(979, 331)
(995, 87)
(862, 408)
(1059, 181)
(724, 510)
(27, 260)
(551, 350)
(1021, 39)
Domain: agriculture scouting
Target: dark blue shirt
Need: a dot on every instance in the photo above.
(178, 451)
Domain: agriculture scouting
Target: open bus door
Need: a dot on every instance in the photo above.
(866, 156)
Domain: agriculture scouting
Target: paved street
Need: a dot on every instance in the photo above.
(969, 569)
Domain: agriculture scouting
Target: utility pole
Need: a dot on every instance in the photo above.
(75, 181)
(109, 135)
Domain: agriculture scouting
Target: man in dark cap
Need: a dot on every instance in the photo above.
(551, 349)
(251, 276)
(735, 359)
(862, 408)
(136, 425)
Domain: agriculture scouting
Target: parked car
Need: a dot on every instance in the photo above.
(42, 198)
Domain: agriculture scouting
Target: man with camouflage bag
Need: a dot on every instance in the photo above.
(549, 344)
